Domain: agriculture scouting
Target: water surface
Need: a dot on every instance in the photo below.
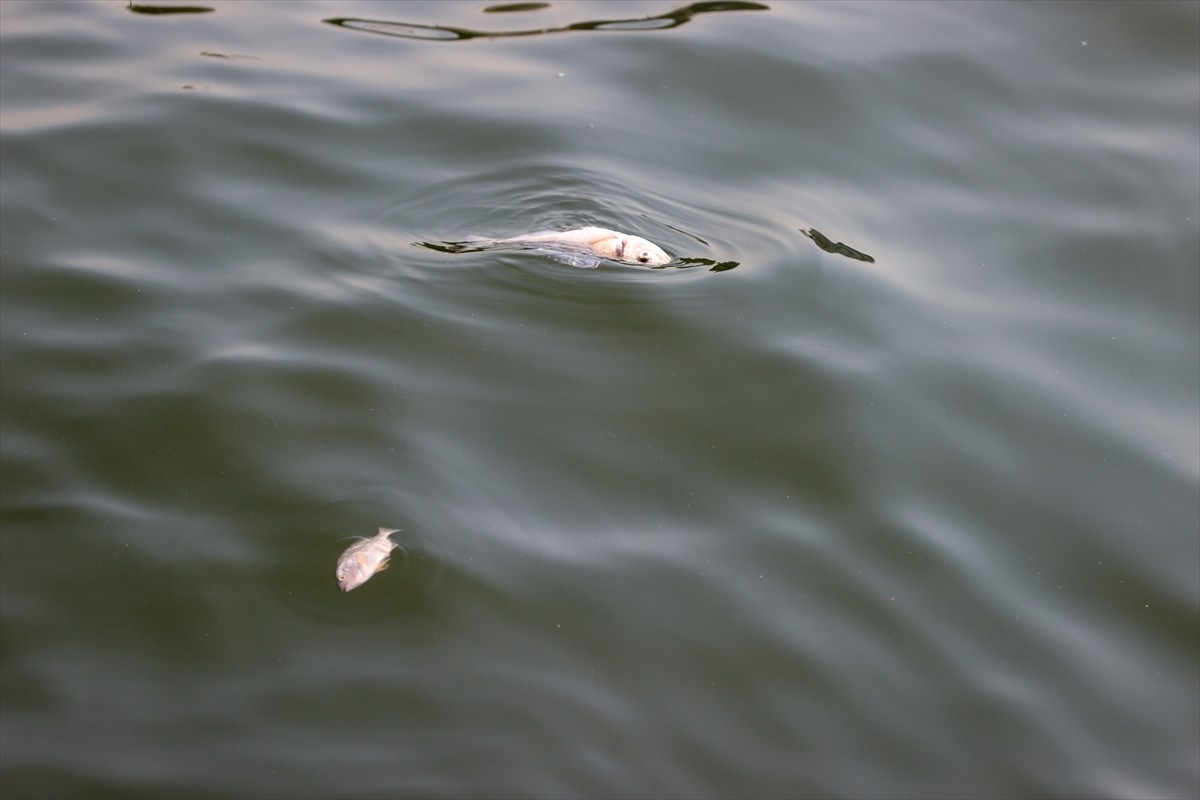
(808, 525)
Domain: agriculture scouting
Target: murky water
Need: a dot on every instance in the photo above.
(887, 486)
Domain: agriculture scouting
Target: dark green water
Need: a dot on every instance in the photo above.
(812, 526)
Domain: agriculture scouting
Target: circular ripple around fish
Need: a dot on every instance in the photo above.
(703, 235)
(306, 583)
(305, 567)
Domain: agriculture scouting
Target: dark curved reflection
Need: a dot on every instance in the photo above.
(139, 8)
(229, 56)
(713, 266)
(825, 243)
(679, 263)
(515, 7)
(451, 247)
(445, 33)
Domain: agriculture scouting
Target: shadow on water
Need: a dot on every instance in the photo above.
(446, 33)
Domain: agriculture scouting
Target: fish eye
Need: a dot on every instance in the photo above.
(643, 257)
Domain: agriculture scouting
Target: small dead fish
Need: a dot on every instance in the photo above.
(364, 558)
(590, 242)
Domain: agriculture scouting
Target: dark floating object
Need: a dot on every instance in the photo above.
(446, 33)
(145, 9)
(822, 241)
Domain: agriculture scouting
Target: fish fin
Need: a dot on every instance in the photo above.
(382, 565)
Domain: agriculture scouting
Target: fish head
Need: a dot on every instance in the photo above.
(636, 250)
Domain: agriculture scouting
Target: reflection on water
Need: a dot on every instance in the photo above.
(670, 19)
(148, 9)
(713, 266)
(515, 7)
(230, 56)
(840, 248)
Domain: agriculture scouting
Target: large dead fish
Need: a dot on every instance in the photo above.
(583, 247)
(364, 558)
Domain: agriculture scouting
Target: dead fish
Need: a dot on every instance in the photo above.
(589, 244)
(364, 558)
